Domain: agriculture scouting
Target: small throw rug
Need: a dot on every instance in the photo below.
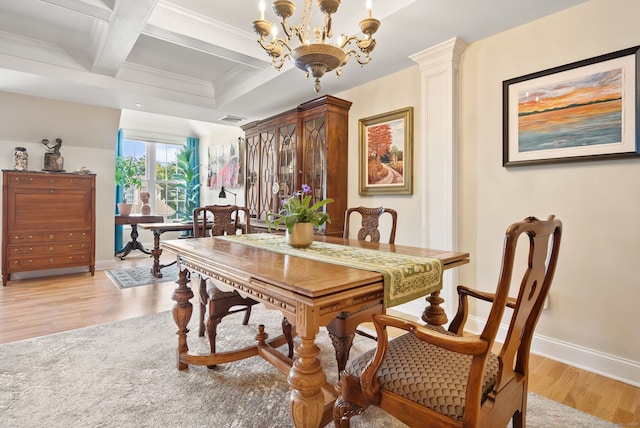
(135, 277)
(124, 374)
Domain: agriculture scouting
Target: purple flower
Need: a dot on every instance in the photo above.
(306, 189)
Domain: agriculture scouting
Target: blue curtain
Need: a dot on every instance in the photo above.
(194, 145)
(118, 229)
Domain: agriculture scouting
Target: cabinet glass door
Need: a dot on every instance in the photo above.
(252, 193)
(314, 173)
(286, 162)
(268, 169)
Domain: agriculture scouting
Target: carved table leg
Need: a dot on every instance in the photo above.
(134, 244)
(306, 376)
(156, 252)
(342, 330)
(204, 301)
(342, 347)
(182, 310)
(286, 330)
(433, 314)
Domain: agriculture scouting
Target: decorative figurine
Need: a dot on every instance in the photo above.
(53, 160)
(20, 159)
(146, 208)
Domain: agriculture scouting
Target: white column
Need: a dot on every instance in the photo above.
(439, 67)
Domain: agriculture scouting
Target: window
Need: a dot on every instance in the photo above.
(159, 160)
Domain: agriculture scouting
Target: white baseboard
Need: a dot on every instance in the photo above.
(601, 363)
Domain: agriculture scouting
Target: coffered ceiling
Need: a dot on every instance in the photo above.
(199, 59)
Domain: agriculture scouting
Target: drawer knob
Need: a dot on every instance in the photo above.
(51, 260)
(52, 191)
(52, 249)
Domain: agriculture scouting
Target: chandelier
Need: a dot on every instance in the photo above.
(316, 53)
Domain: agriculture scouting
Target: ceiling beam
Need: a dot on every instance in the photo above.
(114, 44)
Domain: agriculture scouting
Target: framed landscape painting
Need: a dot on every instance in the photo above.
(386, 153)
(587, 110)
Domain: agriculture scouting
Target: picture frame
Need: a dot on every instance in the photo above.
(386, 153)
(225, 165)
(582, 111)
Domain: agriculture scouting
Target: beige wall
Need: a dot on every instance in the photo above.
(88, 139)
(390, 93)
(592, 318)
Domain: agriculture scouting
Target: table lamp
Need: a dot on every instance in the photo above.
(223, 194)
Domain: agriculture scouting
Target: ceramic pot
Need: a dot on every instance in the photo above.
(301, 235)
(124, 209)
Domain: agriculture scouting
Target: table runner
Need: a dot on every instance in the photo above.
(405, 277)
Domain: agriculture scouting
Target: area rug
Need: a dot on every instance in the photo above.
(138, 276)
(124, 374)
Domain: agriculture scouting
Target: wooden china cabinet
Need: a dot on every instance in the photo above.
(48, 221)
(304, 145)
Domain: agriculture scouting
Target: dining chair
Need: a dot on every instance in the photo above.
(343, 328)
(370, 220)
(218, 220)
(434, 377)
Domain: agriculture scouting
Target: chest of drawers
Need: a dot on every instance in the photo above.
(48, 221)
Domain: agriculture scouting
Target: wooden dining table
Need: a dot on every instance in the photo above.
(309, 293)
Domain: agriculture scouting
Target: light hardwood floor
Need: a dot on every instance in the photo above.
(35, 307)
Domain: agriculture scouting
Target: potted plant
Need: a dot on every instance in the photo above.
(300, 217)
(189, 176)
(129, 172)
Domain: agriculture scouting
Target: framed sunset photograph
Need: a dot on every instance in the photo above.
(386, 153)
(587, 110)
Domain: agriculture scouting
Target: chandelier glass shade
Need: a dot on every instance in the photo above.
(316, 52)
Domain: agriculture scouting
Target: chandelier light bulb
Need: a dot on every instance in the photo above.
(261, 7)
(369, 6)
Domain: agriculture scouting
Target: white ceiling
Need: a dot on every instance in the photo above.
(199, 59)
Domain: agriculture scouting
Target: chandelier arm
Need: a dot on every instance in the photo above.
(362, 61)
(271, 47)
(281, 60)
(347, 40)
(293, 31)
(288, 31)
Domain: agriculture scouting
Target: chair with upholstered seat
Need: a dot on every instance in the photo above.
(437, 378)
(370, 220)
